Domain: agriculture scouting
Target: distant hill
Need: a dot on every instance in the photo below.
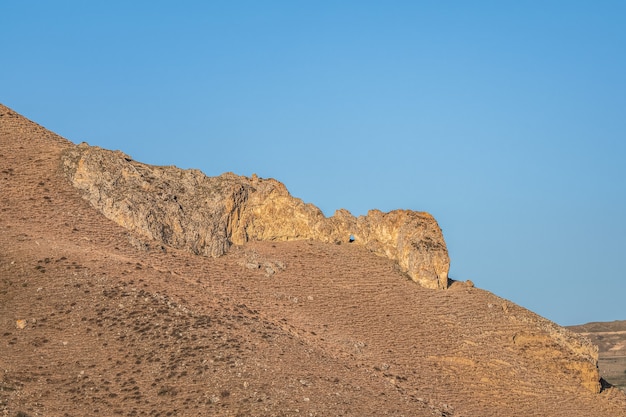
(100, 317)
(611, 340)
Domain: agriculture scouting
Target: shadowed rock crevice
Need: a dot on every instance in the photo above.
(206, 215)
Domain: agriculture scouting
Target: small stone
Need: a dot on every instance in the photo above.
(20, 324)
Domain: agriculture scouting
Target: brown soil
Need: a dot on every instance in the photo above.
(91, 323)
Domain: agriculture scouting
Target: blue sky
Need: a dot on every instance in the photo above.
(505, 120)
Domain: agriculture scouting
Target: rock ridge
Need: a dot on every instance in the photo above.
(207, 215)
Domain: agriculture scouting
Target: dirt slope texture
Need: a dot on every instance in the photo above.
(97, 318)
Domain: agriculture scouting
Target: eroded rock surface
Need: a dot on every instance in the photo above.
(610, 337)
(206, 215)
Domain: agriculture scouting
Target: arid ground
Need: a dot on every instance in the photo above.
(92, 322)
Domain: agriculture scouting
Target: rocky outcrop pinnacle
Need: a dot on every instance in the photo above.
(206, 215)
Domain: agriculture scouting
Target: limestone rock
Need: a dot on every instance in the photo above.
(610, 337)
(582, 358)
(206, 215)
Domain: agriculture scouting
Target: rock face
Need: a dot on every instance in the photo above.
(610, 337)
(206, 215)
(548, 340)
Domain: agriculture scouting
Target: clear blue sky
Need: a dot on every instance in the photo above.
(505, 120)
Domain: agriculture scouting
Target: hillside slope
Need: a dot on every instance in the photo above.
(94, 321)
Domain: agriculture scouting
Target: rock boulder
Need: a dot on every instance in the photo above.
(206, 215)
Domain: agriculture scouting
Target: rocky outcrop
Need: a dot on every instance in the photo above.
(206, 215)
(610, 337)
(564, 350)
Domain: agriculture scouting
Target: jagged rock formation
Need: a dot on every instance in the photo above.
(206, 215)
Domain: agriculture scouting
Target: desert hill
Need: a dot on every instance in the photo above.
(100, 318)
(610, 337)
